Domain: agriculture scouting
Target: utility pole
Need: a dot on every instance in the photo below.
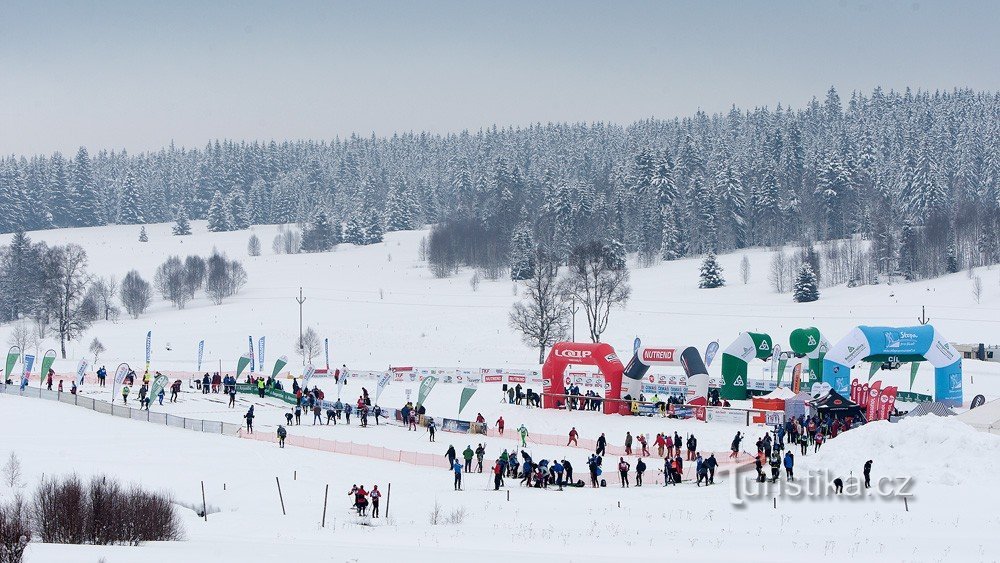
(300, 300)
(573, 309)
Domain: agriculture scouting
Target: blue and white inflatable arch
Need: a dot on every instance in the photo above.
(900, 344)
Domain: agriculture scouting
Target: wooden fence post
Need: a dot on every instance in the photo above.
(280, 497)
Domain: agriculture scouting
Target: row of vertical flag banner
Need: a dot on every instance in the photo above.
(877, 401)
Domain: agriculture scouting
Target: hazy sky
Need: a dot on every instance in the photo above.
(138, 74)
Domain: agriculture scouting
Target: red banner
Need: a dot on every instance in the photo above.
(871, 408)
(855, 390)
(863, 395)
(886, 402)
(797, 378)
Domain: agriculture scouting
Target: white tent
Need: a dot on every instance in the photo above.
(782, 393)
(985, 418)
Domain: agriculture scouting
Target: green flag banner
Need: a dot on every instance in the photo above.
(279, 365)
(914, 368)
(159, 383)
(425, 388)
(467, 394)
(781, 368)
(13, 355)
(242, 364)
(47, 359)
(872, 369)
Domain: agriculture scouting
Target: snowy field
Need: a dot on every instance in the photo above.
(380, 306)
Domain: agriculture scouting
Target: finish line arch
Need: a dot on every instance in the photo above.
(748, 345)
(597, 354)
(900, 344)
(688, 358)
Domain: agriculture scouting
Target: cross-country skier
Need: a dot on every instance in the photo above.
(480, 452)
(282, 433)
(523, 431)
(623, 467)
(347, 412)
(451, 455)
(558, 469)
(431, 428)
(125, 391)
(710, 464)
(640, 468)
(628, 443)
(298, 415)
(249, 417)
(735, 446)
(497, 475)
(457, 468)
(602, 444)
(700, 470)
(789, 465)
(375, 496)
(868, 473)
(573, 436)
(500, 425)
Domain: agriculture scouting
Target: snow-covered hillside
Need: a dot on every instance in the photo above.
(379, 305)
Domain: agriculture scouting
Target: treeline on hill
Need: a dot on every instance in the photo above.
(49, 291)
(916, 175)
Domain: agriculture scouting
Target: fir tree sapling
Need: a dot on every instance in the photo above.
(711, 273)
(806, 286)
(142, 234)
(182, 227)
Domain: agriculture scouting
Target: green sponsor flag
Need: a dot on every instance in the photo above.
(47, 359)
(425, 388)
(873, 367)
(279, 365)
(467, 394)
(914, 368)
(13, 355)
(781, 368)
(242, 364)
(159, 383)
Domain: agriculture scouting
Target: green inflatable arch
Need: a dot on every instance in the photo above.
(747, 346)
(809, 342)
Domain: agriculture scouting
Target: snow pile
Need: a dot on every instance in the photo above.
(931, 449)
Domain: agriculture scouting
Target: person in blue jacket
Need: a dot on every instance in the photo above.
(457, 468)
(557, 468)
(789, 464)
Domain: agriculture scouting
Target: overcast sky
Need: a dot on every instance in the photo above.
(139, 74)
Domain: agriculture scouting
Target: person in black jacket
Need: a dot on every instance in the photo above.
(868, 473)
(640, 467)
(569, 471)
(711, 463)
(623, 467)
(451, 455)
(602, 444)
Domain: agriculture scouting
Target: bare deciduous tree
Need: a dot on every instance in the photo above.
(105, 290)
(67, 267)
(135, 294)
(977, 288)
(194, 274)
(23, 336)
(253, 246)
(597, 284)
(779, 272)
(225, 278)
(309, 345)
(96, 348)
(170, 282)
(745, 269)
(543, 317)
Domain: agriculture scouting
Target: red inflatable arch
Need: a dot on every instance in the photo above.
(582, 353)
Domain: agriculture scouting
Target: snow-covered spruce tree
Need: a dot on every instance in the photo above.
(83, 192)
(239, 211)
(354, 233)
(951, 260)
(806, 286)
(711, 273)
(400, 208)
(182, 227)
(522, 251)
(318, 236)
(142, 234)
(373, 231)
(219, 218)
(129, 212)
(614, 255)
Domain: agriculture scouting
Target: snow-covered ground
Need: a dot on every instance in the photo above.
(380, 306)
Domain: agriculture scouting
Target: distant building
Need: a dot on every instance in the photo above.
(979, 351)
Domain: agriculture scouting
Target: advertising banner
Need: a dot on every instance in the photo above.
(81, 371)
(201, 354)
(728, 416)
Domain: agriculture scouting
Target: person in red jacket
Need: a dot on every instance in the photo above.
(660, 444)
(497, 475)
(572, 437)
(500, 425)
(361, 500)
